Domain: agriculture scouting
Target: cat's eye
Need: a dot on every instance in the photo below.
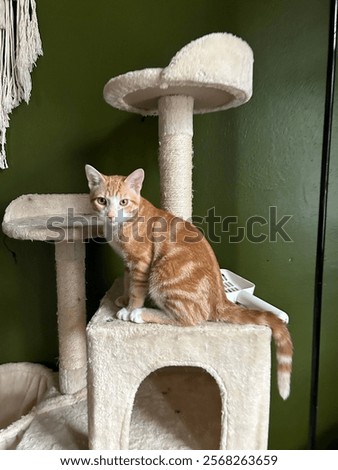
(102, 201)
(124, 202)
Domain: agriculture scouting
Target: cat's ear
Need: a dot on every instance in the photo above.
(135, 180)
(94, 177)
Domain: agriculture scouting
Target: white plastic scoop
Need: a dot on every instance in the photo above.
(240, 291)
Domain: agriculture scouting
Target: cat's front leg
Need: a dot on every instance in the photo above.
(138, 289)
(123, 300)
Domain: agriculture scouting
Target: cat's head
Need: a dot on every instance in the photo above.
(116, 199)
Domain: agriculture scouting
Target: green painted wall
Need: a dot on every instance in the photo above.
(266, 153)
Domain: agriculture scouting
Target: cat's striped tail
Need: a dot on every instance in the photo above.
(284, 349)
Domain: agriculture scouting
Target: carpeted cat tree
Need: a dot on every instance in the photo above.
(142, 379)
(210, 74)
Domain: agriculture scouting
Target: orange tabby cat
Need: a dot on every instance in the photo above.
(171, 261)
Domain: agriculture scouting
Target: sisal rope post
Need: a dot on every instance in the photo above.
(71, 298)
(176, 153)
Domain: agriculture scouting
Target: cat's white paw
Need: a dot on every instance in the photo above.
(123, 314)
(136, 315)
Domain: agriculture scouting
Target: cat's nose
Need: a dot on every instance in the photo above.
(111, 215)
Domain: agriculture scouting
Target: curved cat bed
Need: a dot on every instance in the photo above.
(22, 387)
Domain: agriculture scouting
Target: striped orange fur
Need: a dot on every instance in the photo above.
(169, 260)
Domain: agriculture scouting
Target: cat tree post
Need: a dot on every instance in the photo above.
(175, 123)
(71, 300)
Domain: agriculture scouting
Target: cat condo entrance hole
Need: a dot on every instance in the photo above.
(176, 408)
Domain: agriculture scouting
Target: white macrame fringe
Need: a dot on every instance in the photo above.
(20, 47)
